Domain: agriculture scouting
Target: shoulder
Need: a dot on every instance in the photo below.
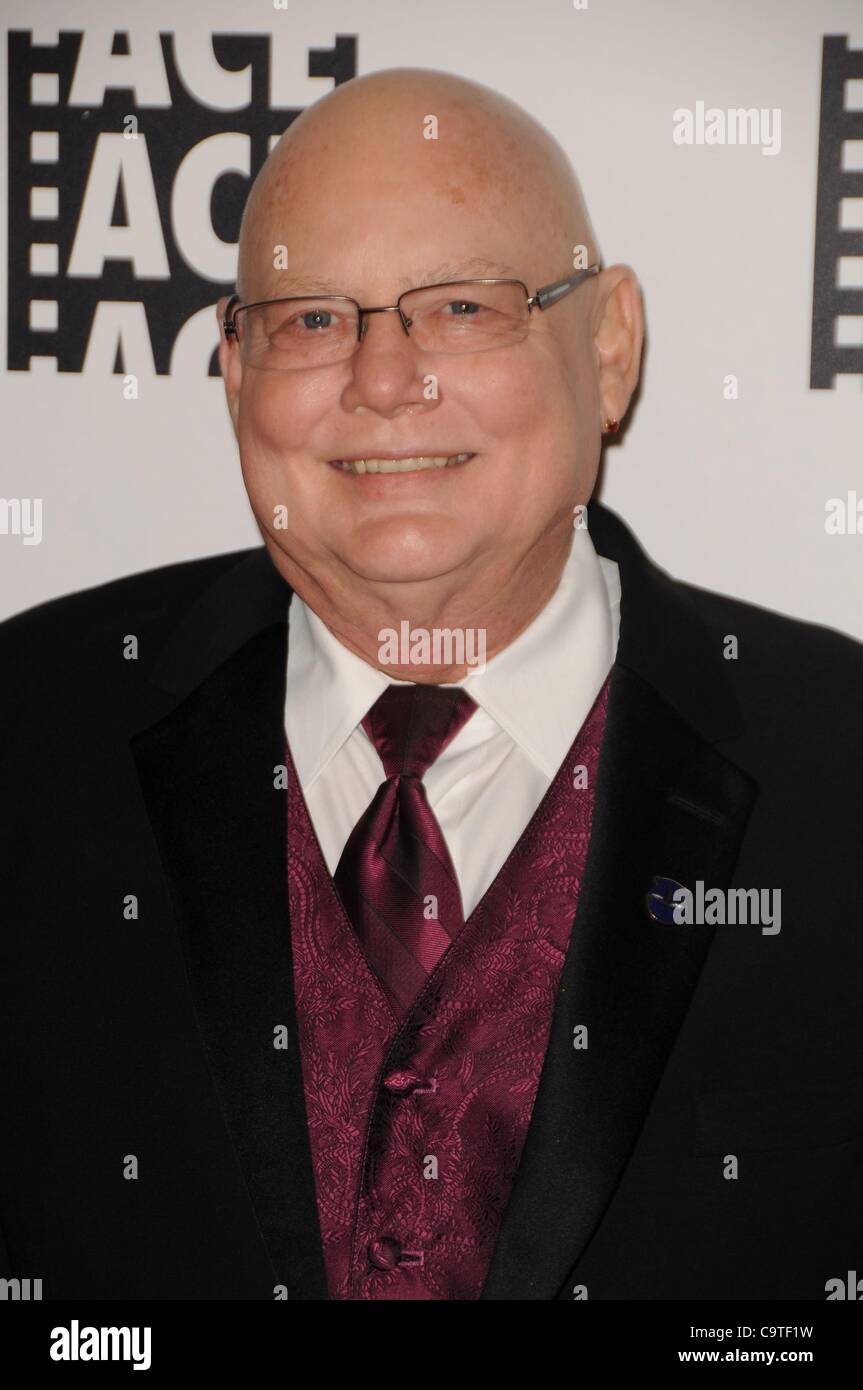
(775, 638)
(789, 674)
(66, 635)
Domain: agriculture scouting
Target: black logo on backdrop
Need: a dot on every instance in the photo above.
(105, 208)
(837, 345)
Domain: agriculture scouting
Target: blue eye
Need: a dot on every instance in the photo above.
(317, 314)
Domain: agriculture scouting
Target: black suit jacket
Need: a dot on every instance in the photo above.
(140, 1040)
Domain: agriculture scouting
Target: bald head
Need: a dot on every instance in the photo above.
(357, 187)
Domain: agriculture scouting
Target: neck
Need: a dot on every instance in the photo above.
(432, 632)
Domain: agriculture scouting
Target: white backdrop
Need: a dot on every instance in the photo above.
(728, 493)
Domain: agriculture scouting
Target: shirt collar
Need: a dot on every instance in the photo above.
(539, 689)
(329, 689)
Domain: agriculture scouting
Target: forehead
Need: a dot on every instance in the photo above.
(380, 234)
(456, 268)
(373, 209)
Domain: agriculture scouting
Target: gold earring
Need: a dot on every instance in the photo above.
(611, 426)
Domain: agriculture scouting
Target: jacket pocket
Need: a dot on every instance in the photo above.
(804, 1117)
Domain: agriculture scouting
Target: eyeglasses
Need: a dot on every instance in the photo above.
(456, 316)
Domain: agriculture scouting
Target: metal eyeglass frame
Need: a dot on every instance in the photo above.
(542, 299)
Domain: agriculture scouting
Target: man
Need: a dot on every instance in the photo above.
(439, 901)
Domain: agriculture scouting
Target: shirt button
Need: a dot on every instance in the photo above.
(384, 1252)
(405, 1081)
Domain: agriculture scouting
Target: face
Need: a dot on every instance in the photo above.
(527, 414)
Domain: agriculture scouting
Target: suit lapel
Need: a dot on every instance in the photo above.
(667, 804)
(206, 769)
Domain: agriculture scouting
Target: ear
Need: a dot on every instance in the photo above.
(618, 338)
(229, 363)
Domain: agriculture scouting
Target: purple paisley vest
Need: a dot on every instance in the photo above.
(416, 1130)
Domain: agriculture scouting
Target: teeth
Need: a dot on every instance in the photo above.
(412, 465)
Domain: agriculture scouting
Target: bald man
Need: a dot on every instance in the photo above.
(444, 904)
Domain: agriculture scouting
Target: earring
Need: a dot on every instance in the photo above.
(611, 426)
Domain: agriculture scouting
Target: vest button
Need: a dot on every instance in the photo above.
(404, 1081)
(384, 1252)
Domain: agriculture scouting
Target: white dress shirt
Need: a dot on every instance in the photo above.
(533, 698)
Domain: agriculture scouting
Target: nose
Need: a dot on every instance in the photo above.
(386, 372)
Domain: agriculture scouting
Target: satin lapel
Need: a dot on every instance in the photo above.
(668, 803)
(206, 769)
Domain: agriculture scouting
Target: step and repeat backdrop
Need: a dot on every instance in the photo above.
(720, 150)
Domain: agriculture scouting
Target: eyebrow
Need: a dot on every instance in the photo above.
(323, 284)
(452, 271)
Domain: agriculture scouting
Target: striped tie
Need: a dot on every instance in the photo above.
(395, 876)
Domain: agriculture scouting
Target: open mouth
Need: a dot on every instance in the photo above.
(403, 465)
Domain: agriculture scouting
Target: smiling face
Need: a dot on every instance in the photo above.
(368, 207)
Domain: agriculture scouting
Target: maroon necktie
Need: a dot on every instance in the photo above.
(395, 876)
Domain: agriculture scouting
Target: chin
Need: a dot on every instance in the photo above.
(379, 570)
(390, 555)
